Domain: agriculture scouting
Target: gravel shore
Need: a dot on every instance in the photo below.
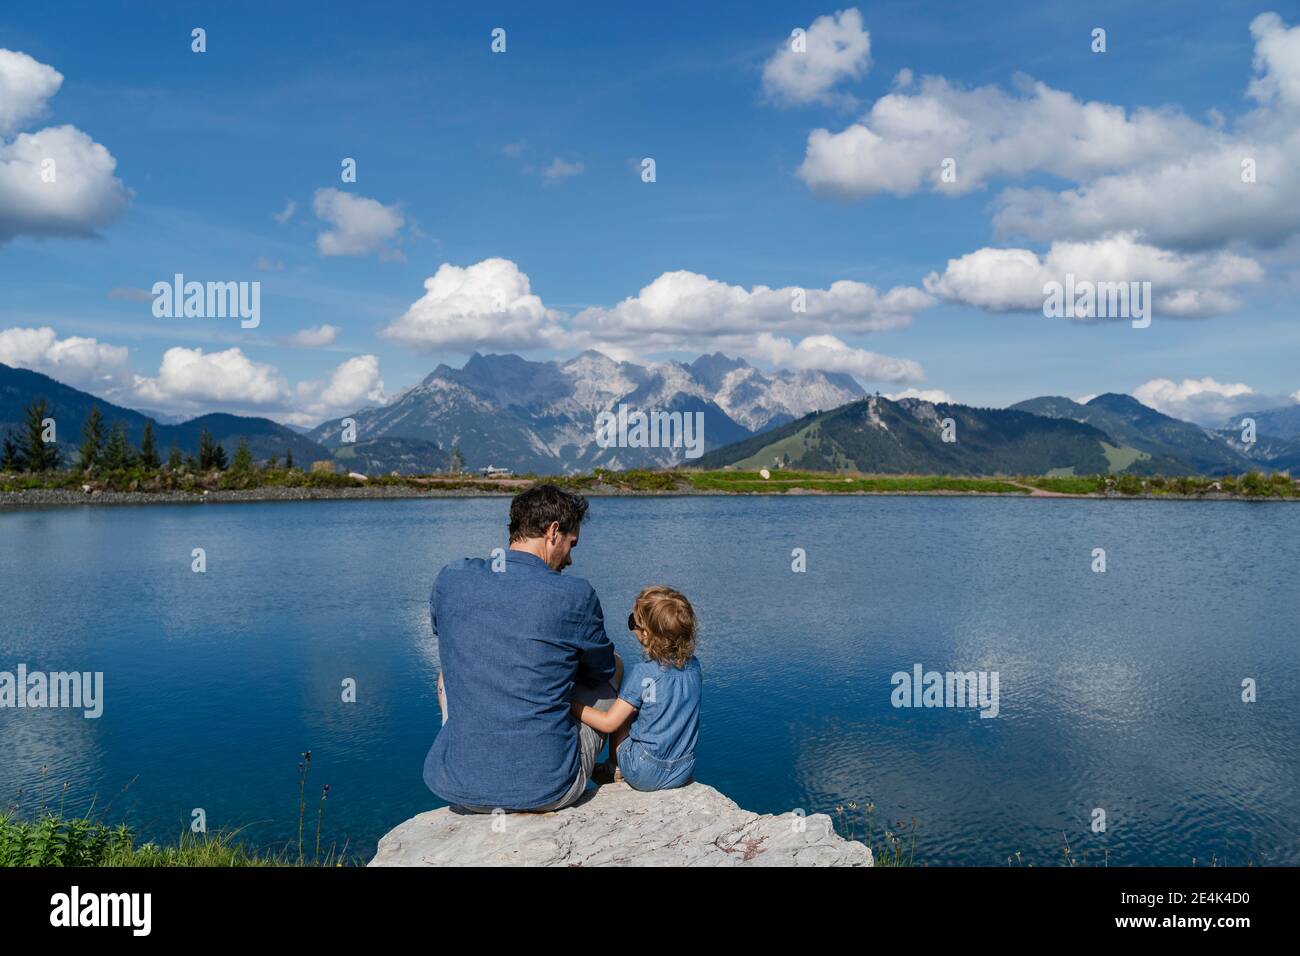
(62, 498)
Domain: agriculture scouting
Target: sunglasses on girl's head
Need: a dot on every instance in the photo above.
(631, 621)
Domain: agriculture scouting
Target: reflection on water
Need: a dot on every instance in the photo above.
(1119, 691)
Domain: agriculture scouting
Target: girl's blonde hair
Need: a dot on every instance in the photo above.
(668, 621)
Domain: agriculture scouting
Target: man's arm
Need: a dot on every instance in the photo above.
(596, 663)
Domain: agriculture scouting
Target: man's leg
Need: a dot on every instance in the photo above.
(591, 741)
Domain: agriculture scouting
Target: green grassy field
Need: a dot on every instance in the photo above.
(781, 482)
(1120, 457)
(670, 481)
(1068, 485)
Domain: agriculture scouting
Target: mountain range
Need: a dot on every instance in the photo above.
(1279, 422)
(507, 411)
(1047, 436)
(1171, 442)
(541, 417)
(70, 406)
(1130, 424)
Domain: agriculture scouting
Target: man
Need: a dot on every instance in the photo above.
(517, 645)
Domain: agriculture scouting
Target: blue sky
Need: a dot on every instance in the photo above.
(527, 161)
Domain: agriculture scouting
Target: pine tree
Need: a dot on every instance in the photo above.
(457, 460)
(207, 451)
(192, 464)
(148, 453)
(288, 460)
(37, 455)
(174, 459)
(211, 455)
(92, 439)
(117, 453)
(243, 461)
(12, 458)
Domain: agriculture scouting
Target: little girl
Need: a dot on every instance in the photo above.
(655, 723)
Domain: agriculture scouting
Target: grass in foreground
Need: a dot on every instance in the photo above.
(47, 837)
(889, 847)
(52, 840)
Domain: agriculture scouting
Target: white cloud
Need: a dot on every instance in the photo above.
(1196, 200)
(25, 86)
(360, 226)
(314, 337)
(836, 49)
(354, 384)
(189, 377)
(190, 380)
(1277, 60)
(1195, 197)
(1183, 285)
(1296, 397)
(899, 145)
(56, 181)
(263, 264)
(935, 396)
(686, 309)
(286, 213)
(1203, 399)
(1171, 180)
(828, 354)
(1085, 399)
(76, 361)
(85, 195)
(559, 169)
(488, 303)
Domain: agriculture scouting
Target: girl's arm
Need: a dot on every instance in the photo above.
(605, 721)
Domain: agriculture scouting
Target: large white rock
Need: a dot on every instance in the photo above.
(615, 825)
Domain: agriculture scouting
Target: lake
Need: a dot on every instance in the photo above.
(1119, 691)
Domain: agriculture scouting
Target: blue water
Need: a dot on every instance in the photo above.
(1119, 691)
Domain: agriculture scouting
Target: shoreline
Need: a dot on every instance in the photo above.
(64, 498)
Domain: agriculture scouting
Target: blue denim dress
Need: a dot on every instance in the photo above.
(659, 750)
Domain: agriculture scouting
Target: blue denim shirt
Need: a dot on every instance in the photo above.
(512, 645)
(667, 700)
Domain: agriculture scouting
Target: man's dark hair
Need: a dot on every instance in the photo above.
(532, 511)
